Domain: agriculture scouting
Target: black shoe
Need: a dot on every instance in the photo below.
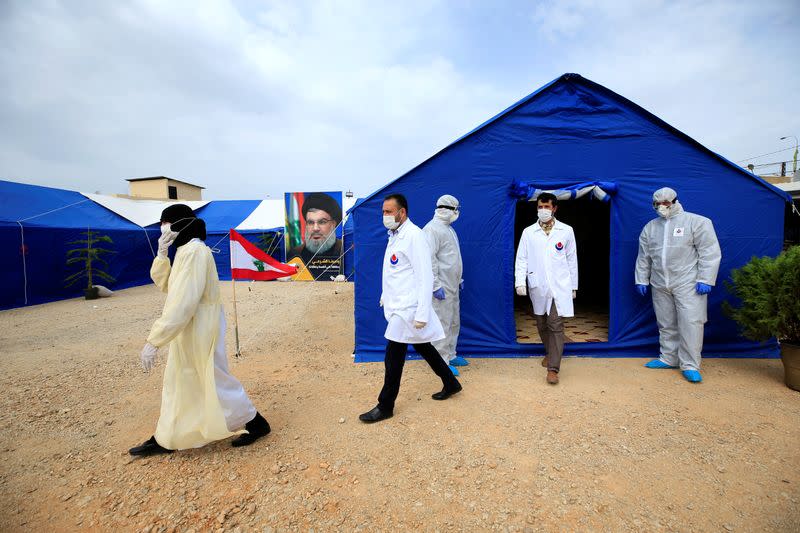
(256, 428)
(446, 392)
(149, 447)
(375, 415)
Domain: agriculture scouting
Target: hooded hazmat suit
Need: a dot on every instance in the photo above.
(447, 272)
(677, 251)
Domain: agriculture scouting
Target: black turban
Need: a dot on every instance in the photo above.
(183, 220)
(324, 202)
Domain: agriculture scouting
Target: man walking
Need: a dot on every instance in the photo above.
(407, 282)
(547, 269)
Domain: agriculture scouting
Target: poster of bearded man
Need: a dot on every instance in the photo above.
(314, 234)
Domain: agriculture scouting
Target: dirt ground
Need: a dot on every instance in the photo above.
(614, 447)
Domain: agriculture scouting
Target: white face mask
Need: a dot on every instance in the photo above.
(390, 223)
(166, 228)
(545, 215)
(663, 211)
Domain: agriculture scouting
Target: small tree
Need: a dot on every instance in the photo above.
(769, 291)
(86, 255)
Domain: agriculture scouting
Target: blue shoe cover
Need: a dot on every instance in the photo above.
(453, 369)
(458, 361)
(657, 363)
(692, 376)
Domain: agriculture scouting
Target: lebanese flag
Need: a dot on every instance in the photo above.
(249, 262)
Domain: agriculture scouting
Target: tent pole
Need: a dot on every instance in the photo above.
(235, 318)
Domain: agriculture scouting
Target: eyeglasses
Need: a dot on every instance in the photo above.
(322, 222)
(450, 207)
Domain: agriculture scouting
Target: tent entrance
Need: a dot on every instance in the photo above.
(590, 219)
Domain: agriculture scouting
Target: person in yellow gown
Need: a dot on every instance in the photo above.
(201, 401)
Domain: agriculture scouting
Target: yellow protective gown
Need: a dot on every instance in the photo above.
(191, 413)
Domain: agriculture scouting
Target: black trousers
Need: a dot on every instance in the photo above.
(395, 360)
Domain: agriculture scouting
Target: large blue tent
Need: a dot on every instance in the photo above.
(571, 135)
(36, 225)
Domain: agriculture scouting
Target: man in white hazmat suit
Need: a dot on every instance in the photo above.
(201, 401)
(447, 281)
(407, 283)
(547, 268)
(679, 257)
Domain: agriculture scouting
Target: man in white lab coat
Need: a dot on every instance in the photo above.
(201, 401)
(547, 269)
(407, 283)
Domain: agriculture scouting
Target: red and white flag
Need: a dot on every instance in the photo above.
(249, 262)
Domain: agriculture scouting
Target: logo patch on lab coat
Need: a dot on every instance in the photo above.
(559, 246)
(678, 232)
(393, 259)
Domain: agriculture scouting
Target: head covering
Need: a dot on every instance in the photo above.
(447, 209)
(183, 220)
(324, 202)
(447, 201)
(664, 194)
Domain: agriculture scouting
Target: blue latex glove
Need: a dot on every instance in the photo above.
(641, 289)
(439, 294)
(702, 288)
(461, 285)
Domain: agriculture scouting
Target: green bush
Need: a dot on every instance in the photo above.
(769, 293)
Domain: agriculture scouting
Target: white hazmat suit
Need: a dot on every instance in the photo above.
(678, 251)
(447, 272)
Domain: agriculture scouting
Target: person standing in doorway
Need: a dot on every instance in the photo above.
(546, 268)
(407, 283)
(447, 281)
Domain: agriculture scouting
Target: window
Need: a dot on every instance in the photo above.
(172, 192)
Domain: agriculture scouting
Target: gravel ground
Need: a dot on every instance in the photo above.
(614, 447)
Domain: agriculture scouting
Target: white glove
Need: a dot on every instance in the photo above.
(148, 357)
(522, 290)
(574, 294)
(419, 325)
(380, 302)
(165, 241)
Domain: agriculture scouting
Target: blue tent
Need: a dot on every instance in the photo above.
(572, 134)
(36, 223)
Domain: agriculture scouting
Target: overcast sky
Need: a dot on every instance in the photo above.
(254, 98)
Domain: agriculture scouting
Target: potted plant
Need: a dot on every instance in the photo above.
(769, 293)
(86, 255)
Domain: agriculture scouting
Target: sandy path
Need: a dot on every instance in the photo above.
(614, 447)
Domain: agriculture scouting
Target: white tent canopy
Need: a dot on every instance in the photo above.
(269, 214)
(141, 212)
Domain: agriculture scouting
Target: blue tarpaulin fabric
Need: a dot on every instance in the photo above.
(570, 133)
(36, 223)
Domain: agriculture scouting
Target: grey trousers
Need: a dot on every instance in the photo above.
(551, 330)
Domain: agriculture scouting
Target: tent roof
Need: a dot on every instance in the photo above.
(34, 205)
(267, 214)
(570, 78)
(140, 212)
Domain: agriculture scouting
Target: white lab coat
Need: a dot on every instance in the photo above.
(548, 266)
(407, 283)
(200, 401)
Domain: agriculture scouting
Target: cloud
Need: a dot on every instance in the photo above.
(251, 98)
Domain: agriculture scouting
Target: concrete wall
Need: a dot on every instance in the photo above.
(158, 190)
